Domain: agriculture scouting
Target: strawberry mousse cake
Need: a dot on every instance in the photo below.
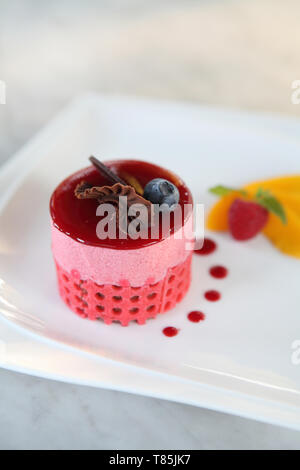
(121, 279)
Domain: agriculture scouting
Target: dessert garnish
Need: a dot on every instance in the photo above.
(157, 191)
(170, 331)
(208, 247)
(212, 295)
(159, 196)
(247, 217)
(262, 197)
(106, 172)
(218, 272)
(161, 191)
(280, 197)
(133, 181)
(111, 195)
(196, 316)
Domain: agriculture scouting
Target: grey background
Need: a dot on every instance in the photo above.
(235, 53)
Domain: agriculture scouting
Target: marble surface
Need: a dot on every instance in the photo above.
(41, 414)
(224, 52)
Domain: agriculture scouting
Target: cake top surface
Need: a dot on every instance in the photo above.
(77, 217)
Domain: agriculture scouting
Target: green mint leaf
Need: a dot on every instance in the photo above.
(224, 190)
(269, 202)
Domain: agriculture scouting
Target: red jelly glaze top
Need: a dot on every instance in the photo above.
(209, 246)
(77, 218)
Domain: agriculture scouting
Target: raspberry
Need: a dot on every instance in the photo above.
(246, 219)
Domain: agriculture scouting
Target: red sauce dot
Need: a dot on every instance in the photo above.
(170, 331)
(218, 271)
(196, 316)
(212, 295)
(208, 247)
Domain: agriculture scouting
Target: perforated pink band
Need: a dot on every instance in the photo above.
(112, 303)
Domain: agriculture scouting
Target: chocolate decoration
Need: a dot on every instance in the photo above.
(111, 195)
(106, 172)
(81, 187)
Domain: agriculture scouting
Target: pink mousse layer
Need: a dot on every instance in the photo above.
(122, 267)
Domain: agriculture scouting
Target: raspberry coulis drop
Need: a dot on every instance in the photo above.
(219, 272)
(196, 316)
(170, 331)
(209, 246)
(212, 295)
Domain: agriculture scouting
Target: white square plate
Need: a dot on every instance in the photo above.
(239, 358)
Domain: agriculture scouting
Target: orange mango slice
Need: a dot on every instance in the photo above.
(285, 237)
(286, 184)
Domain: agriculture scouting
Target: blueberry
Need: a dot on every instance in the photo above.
(160, 191)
